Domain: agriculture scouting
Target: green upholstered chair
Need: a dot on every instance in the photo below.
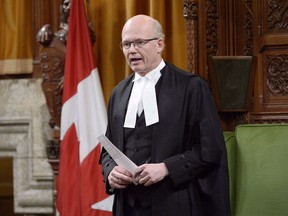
(230, 141)
(261, 181)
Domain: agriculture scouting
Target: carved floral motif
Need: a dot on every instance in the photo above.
(277, 75)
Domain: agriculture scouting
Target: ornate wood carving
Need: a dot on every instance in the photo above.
(229, 27)
(52, 61)
(211, 28)
(190, 13)
(248, 27)
(277, 17)
(277, 75)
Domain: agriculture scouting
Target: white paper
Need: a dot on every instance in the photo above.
(118, 156)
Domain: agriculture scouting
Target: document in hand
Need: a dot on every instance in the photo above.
(120, 158)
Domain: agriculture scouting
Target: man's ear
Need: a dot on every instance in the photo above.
(161, 45)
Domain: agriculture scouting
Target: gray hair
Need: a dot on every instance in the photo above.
(158, 29)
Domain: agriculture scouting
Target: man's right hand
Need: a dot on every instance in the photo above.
(119, 178)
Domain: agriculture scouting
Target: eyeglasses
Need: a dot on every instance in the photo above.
(125, 45)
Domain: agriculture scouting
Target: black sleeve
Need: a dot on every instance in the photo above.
(106, 161)
(204, 143)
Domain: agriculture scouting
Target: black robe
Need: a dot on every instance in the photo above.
(188, 138)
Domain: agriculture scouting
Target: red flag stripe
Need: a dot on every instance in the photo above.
(69, 196)
(83, 119)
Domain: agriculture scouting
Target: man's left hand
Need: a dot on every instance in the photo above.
(148, 174)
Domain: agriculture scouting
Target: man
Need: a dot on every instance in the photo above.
(176, 141)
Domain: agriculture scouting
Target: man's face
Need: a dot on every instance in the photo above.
(147, 57)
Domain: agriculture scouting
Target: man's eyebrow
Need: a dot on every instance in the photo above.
(133, 40)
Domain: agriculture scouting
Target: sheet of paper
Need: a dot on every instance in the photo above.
(120, 158)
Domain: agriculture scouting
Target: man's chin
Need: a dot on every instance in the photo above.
(136, 68)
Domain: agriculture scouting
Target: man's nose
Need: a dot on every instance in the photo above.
(132, 47)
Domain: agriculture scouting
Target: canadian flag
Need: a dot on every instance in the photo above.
(80, 186)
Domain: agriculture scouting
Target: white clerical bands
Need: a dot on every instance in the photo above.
(143, 96)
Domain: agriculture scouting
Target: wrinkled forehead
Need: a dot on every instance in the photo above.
(137, 29)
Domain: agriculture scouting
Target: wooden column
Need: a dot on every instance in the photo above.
(191, 15)
(49, 12)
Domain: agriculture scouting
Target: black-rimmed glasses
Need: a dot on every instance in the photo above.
(125, 45)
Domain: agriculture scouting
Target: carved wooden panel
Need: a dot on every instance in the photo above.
(244, 27)
(275, 16)
(275, 97)
(273, 54)
(277, 75)
(202, 38)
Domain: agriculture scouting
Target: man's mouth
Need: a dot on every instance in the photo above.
(135, 60)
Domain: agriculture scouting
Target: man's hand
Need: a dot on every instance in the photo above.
(148, 174)
(119, 178)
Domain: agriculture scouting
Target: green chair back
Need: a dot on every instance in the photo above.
(261, 170)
